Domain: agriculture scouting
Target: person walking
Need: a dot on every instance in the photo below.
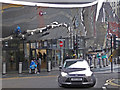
(39, 65)
(90, 57)
(98, 56)
(67, 57)
(40, 55)
(74, 56)
(44, 57)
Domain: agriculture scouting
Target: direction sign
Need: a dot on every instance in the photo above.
(60, 43)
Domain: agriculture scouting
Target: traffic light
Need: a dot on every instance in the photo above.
(114, 41)
(75, 46)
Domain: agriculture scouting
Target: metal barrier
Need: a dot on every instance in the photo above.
(20, 67)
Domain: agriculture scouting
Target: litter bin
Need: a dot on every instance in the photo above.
(49, 66)
(20, 67)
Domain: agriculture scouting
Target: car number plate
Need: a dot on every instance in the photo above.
(76, 79)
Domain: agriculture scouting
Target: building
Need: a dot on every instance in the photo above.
(115, 4)
(17, 50)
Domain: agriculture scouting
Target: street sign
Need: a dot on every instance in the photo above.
(60, 43)
(40, 13)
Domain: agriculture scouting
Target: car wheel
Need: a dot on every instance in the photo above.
(60, 85)
(94, 82)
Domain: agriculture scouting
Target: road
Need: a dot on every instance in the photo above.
(50, 81)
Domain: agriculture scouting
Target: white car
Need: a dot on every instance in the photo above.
(76, 72)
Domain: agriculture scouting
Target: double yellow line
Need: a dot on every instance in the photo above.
(28, 77)
(110, 59)
(6, 6)
(110, 81)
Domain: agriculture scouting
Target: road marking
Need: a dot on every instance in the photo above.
(104, 88)
(106, 84)
(110, 82)
(27, 77)
(9, 6)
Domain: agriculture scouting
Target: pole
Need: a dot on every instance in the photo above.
(61, 56)
(77, 45)
(111, 56)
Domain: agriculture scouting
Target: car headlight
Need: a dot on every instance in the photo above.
(89, 74)
(64, 74)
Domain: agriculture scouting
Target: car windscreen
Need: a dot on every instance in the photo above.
(76, 64)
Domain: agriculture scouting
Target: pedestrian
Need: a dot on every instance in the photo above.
(98, 56)
(40, 55)
(74, 56)
(44, 57)
(12, 61)
(67, 57)
(81, 57)
(103, 58)
(33, 65)
(90, 57)
(39, 65)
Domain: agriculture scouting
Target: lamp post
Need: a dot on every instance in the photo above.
(111, 54)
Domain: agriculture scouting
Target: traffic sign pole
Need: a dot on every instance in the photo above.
(61, 45)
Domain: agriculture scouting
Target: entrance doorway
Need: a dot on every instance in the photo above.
(43, 58)
(33, 53)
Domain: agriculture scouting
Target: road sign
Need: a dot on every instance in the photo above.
(40, 13)
(61, 43)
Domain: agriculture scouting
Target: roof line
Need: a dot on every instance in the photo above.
(58, 5)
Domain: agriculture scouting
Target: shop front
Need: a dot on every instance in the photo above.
(49, 50)
(12, 54)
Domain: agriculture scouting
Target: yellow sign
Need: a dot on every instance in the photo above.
(110, 59)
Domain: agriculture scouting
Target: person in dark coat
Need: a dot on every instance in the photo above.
(44, 57)
(40, 55)
(67, 57)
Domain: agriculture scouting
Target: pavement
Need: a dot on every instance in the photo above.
(116, 68)
(55, 71)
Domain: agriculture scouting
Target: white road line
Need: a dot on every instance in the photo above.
(104, 88)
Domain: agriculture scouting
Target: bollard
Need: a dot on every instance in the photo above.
(4, 68)
(49, 66)
(100, 63)
(95, 59)
(20, 67)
